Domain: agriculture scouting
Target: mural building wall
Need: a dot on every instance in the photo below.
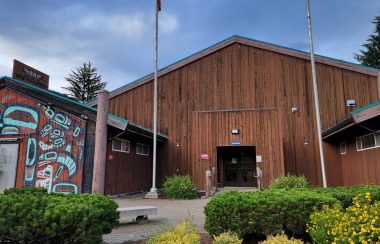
(52, 147)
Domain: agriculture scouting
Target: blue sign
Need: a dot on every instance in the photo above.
(235, 143)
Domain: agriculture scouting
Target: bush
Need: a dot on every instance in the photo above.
(183, 233)
(280, 239)
(30, 215)
(289, 182)
(227, 238)
(346, 194)
(359, 223)
(263, 213)
(179, 187)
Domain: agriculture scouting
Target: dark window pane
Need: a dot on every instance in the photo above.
(116, 144)
(368, 141)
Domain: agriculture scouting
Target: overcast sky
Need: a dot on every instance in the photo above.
(117, 36)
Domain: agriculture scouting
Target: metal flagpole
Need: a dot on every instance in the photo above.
(153, 190)
(316, 99)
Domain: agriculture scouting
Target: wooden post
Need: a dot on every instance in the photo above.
(214, 178)
(208, 183)
(98, 178)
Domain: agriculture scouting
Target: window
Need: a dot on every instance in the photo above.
(142, 149)
(367, 141)
(119, 145)
(343, 148)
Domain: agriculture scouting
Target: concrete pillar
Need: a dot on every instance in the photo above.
(208, 183)
(99, 173)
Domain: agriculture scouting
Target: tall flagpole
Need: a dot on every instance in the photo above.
(153, 190)
(316, 98)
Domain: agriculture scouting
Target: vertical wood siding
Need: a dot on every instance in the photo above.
(128, 172)
(243, 77)
(360, 167)
(256, 128)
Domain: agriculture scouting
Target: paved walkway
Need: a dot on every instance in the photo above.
(170, 213)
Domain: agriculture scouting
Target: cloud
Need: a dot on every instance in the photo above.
(129, 26)
(168, 23)
(118, 36)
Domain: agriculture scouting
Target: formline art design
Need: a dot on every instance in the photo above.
(54, 142)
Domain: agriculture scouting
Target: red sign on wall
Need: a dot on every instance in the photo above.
(204, 156)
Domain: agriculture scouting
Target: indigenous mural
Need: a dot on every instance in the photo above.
(53, 143)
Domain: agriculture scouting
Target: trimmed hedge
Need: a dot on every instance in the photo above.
(273, 211)
(263, 213)
(346, 194)
(30, 215)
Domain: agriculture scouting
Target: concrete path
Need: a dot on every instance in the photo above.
(170, 213)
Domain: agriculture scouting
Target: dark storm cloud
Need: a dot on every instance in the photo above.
(117, 36)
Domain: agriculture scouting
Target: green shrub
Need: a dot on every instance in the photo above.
(359, 223)
(280, 239)
(346, 194)
(31, 215)
(289, 182)
(227, 238)
(263, 213)
(179, 187)
(183, 233)
(25, 190)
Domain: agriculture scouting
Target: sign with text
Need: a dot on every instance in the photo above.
(235, 143)
(12, 139)
(204, 156)
(259, 159)
(29, 75)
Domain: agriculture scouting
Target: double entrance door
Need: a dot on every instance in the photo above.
(237, 166)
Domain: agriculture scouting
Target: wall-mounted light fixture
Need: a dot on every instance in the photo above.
(306, 141)
(235, 131)
(177, 143)
(294, 109)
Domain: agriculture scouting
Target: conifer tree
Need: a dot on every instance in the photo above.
(84, 83)
(370, 56)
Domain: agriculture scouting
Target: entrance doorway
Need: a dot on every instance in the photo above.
(237, 166)
(8, 165)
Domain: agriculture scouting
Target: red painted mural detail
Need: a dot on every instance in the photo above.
(54, 142)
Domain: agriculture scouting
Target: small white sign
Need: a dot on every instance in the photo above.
(259, 159)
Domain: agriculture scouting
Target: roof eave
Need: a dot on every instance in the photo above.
(342, 125)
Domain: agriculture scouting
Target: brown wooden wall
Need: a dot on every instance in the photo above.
(259, 128)
(128, 172)
(360, 167)
(243, 77)
(333, 164)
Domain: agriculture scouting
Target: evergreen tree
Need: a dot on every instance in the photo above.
(371, 55)
(84, 83)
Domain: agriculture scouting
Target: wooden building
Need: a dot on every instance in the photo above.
(356, 141)
(47, 140)
(243, 100)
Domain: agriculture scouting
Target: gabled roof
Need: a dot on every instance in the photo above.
(73, 106)
(250, 42)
